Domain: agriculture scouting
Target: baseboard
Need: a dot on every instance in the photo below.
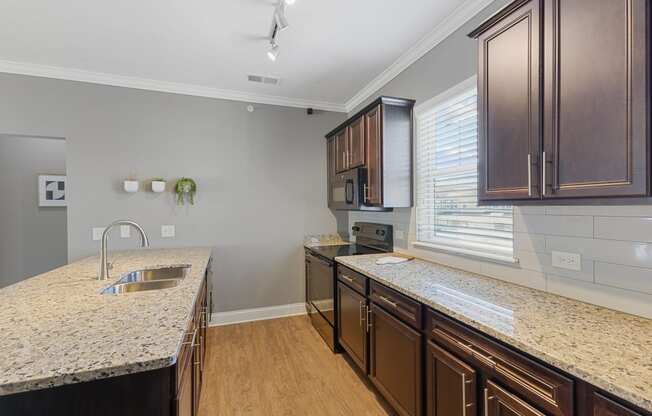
(257, 314)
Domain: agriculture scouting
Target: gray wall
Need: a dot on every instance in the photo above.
(615, 242)
(261, 176)
(34, 239)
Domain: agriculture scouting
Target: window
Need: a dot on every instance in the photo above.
(448, 216)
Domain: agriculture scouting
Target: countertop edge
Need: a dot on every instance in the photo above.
(597, 381)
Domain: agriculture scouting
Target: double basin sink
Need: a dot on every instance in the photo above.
(148, 279)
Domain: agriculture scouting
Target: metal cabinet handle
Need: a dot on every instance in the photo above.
(365, 192)
(486, 402)
(192, 340)
(347, 278)
(464, 394)
(529, 174)
(389, 302)
(543, 173)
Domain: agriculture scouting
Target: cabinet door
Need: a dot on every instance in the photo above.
(395, 362)
(605, 407)
(499, 402)
(331, 168)
(357, 143)
(341, 151)
(374, 151)
(509, 104)
(451, 384)
(595, 111)
(184, 402)
(352, 324)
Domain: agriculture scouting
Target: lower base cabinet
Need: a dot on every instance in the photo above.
(500, 402)
(395, 361)
(451, 384)
(352, 324)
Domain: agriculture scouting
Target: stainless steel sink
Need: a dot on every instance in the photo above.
(120, 288)
(165, 273)
(148, 279)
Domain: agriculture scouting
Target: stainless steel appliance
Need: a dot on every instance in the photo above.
(321, 274)
(347, 191)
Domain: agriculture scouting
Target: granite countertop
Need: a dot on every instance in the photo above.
(609, 349)
(58, 329)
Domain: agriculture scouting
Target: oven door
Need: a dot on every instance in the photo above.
(320, 286)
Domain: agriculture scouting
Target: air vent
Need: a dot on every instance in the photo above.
(264, 80)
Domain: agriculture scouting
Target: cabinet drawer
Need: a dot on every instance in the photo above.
(401, 306)
(353, 279)
(541, 386)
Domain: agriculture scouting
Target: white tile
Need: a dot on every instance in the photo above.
(624, 277)
(624, 228)
(610, 251)
(542, 262)
(622, 300)
(602, 210)
(529, 242)
(579, 226)
(515, 274)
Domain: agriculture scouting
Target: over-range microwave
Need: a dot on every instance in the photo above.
(347, 190)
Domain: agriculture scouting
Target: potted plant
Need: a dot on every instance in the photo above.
(158, 185)
(185, 189)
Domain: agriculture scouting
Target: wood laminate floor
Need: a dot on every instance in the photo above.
(281, 367)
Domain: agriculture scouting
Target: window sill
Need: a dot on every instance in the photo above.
(496, 258)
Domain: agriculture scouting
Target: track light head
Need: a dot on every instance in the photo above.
(279, 17)
(272, 53)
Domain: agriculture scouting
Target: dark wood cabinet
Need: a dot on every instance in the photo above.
(377, 140)
(341, 151)
(509, 106)
(500, 402)
(451, 384)
(395, 361)
(596, 89)
(603, 406)
(357, 143)
(352, 324)
(374, 151)
(564, 100)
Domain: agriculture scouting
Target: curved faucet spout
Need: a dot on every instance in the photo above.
(104, 262)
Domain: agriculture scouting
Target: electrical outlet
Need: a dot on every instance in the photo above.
(570, 261)
(125, 231)
(97, 233)
(167, 231)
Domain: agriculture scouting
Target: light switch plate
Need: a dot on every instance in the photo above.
(569, 261)
(125, 231)
(168, 231)
(97, 233)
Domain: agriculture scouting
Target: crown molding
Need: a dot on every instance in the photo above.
(453, 22)
(71, 74)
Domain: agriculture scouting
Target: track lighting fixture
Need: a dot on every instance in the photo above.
(279, 17)
(272, 53)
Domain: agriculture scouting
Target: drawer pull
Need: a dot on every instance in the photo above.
(389, 302)
(466, 347)
(347, 278)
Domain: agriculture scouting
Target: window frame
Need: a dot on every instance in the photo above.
(419, 111)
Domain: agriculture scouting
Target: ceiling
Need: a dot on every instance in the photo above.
(332, 50)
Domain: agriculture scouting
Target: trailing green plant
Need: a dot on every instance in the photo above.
(185, 187)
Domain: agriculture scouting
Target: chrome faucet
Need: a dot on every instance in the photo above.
(104, 262)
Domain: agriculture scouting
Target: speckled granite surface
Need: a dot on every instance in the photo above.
(58, 329)
(322, 240)
(609, 349)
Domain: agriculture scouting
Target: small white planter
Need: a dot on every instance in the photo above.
(158, 186)
(131, 186)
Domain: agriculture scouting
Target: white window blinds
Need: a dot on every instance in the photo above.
(448, 216)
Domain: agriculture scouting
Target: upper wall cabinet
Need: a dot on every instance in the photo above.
(563, 100)
(372, 166)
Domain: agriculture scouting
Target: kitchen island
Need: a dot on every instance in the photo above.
(62, 336)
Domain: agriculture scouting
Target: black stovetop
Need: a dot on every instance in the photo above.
(330, 252)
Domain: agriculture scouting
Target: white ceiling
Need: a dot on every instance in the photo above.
(331, 51)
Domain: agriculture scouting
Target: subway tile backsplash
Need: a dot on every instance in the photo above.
(615, 244)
